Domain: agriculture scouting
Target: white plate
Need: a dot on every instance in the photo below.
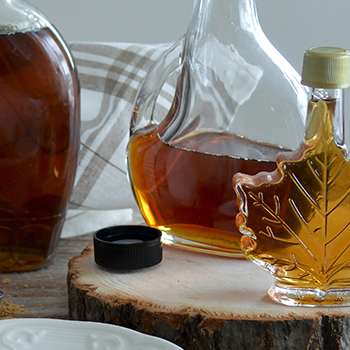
(50, 334)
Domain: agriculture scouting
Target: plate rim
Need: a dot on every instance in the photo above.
(52, 323)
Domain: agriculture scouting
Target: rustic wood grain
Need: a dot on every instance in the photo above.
(43, 293)
(201, 302)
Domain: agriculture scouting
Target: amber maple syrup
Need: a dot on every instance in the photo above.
(39, 118)
(185, 189)
(299, 217)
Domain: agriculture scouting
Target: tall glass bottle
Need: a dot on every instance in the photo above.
(296, 221)
(39, 135)
(237, 103)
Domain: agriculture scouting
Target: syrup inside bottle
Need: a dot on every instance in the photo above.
(187, 193)
(296, 220)
(39, 140)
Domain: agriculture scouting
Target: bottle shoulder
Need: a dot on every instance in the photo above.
(19, 17)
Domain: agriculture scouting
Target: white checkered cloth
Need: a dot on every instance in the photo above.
(110, 76)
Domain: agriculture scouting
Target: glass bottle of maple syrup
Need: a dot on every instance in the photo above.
(296, 220)
(237, 103)
(39, 136)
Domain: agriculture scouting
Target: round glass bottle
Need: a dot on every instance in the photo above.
(39, 135)
(237, 103)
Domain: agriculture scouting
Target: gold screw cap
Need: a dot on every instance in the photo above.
(326, 67)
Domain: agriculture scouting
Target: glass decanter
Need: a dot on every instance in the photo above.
(296, 220)
(237, 103)
(39, 136)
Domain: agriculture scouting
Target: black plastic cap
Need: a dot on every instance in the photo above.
(128, 247)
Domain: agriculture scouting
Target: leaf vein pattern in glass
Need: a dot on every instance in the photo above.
(306, 238)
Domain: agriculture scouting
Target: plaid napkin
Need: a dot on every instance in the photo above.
(110, 75)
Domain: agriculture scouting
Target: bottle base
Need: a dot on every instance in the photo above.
(23, 263)
(309, 297)
(29, 243)
(194, 246)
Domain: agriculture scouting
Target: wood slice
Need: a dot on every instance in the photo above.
(201, 302)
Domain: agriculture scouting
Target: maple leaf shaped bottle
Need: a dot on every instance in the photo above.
(295, 221)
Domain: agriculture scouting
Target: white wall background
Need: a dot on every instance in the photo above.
(291, 25)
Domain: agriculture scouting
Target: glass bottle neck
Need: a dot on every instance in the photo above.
(223, 18)
(325, 115)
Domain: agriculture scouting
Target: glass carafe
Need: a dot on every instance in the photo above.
(39, 135)
(237, 103)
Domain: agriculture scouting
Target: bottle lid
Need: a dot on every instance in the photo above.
(127, 247)
(326, 67)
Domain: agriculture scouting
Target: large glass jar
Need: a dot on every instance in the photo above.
(237, 104)
(39, 135)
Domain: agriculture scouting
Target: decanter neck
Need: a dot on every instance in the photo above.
(223, 19)
(325, 116)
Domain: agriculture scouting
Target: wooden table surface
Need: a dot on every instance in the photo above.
(43, 293)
